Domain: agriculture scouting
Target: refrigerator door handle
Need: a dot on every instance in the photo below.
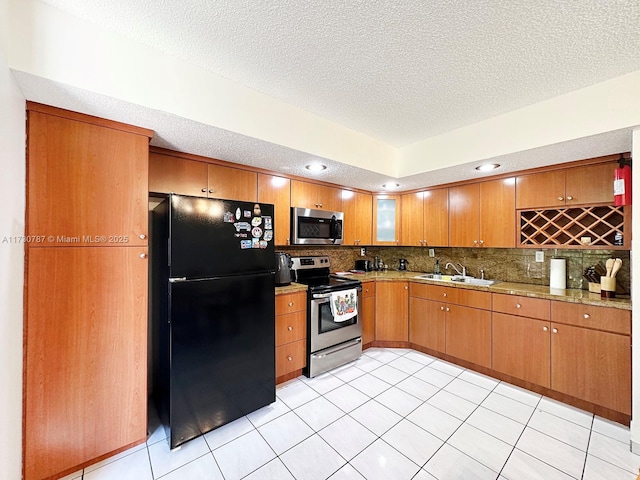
(177, 279)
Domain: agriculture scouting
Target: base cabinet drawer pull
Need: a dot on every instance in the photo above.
(518, 305)
(444, 294)
(289, 358)
(290, 328)
(586, 316)
(291, 304)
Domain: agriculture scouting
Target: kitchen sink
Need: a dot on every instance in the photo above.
(457, 279)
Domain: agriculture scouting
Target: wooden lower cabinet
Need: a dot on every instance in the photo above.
(291, 332)
(521, 348)
(427, 323)
(468, 334)
(392, 311)
(85, 384)
(291, 357)
(592, 365)
(368, 312)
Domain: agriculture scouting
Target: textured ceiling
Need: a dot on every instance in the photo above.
(398, 71)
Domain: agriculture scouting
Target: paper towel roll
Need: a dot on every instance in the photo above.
(558, 273)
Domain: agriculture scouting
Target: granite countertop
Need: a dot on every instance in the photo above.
(292, 288)
(508, 288)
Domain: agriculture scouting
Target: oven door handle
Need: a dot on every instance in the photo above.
(321, 295)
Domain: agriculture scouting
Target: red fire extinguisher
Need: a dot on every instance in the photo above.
(622, 183)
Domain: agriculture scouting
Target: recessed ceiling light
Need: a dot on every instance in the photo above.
(488, 167)
(390, 186)
(316, 167)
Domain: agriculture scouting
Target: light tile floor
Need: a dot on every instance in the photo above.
(393, 414)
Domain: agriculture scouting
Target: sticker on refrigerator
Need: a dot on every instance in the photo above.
(268, 235)
(238, 213)
(245, 244)
(263, 244)
(240, 226)
(247, 214)
(267, 223)
(228, 217)
(255, 243)
(256, 210)
(255, 221)
(256, 232)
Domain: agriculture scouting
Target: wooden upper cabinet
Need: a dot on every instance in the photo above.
(232, 183)
(497, 213)
(277, 190)
(425, 218)
(482, 214)
(436, 217)
(464, 215)
(589, 184)
(358, 212)
(412, 219)
(314, 196)
(169, 174)
(75, 170)
(386, 219)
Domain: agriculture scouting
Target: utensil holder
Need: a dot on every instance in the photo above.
(608, 287)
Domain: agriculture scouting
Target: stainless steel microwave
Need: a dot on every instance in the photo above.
(315, 227)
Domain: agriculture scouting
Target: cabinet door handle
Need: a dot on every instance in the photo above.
(442, 309)
(291, 304)
(289, 358)
(290, 328)
(447, 309)
(560, 199)
(211, 191)
(555, 330)
(475, 242)
(545, 329)
(406, 287)
(143, 255)
(518, 305)
(142, 236)
(586, 316)
(481, 242)
(569, 197)
(204, 190)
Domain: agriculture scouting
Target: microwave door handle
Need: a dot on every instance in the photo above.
(332, 229)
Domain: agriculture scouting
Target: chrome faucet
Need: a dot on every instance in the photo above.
(464, 269)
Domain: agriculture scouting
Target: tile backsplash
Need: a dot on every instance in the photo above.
(505, 264)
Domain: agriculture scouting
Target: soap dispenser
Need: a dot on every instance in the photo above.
(436, 269)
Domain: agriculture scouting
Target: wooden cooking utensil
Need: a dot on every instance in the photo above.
(609, 264)
(617, 265)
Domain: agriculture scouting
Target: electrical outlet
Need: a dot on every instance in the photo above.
(539, 256)
(432, 252)
(363, 251)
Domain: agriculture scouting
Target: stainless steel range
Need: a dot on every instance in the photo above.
(334, 332)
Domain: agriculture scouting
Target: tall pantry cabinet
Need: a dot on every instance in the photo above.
(86, 274)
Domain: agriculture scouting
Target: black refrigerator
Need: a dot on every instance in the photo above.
(213, 312)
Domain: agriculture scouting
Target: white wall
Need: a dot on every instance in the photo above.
(12, 199)
(635, 295)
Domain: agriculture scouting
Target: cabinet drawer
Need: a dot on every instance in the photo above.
(522, 306)
(291, 302)
(368, 289)
(291, 357)
(600, 318)
(291, 327)
(452, 295)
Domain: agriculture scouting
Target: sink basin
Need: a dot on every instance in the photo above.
(457, 279)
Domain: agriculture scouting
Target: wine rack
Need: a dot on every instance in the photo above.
(577, 227)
